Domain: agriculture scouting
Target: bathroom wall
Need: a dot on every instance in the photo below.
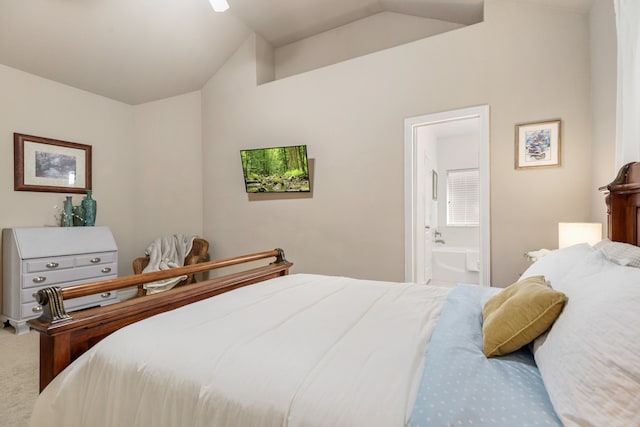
(455, 152)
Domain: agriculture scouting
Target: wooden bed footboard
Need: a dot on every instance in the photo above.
(65, 336)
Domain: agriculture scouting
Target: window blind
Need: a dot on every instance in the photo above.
(463, 194)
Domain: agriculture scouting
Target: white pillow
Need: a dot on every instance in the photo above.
(557, 264)
(591, 264)
(590, 358)
(620, 253)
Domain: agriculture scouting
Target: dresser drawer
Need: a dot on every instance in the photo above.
(32, 309)
(95, 259)
(27, 294)
(48, 264)
(60, 277)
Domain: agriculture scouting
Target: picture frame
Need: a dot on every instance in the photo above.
(538, 144)
(50, 165)
(434, 185)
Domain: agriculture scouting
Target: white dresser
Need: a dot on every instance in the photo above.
(34, 258)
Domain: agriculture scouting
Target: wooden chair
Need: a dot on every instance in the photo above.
(199, 253)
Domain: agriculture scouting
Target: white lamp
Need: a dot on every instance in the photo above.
(572, 233)
(219, 5)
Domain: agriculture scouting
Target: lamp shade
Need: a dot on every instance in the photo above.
(219, 5)
(572, 233)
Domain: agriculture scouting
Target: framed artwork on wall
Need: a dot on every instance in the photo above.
(50, 165)
(538, 144)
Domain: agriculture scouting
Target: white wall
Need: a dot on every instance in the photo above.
(603, 68)
(351, 117)
(147, 168)
(380, 31)
(40, 107)
(168, 155)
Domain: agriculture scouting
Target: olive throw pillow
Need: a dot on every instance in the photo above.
(519, 314)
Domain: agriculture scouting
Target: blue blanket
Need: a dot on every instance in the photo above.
(461, 387)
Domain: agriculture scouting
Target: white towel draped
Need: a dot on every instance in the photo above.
(165, 253)
(473, 260)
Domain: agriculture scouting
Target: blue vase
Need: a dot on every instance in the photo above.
(67, 214)
(89, 207)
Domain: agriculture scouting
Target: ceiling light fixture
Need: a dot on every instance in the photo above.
(219, 5)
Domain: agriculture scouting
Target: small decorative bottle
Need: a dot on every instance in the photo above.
(78, 216)
(89, 207)
(67, 214)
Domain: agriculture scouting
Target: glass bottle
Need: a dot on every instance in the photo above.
(78, 216)
(89, 206)
(67, 213)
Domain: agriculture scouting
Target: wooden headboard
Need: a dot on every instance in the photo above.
(623, 205)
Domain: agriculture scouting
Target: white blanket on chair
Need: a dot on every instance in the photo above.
(165, 253)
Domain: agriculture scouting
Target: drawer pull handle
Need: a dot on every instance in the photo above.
(52, 265)
(105, 294)
(95, 260)
(39, 279)
(36, 309)
(106, 270)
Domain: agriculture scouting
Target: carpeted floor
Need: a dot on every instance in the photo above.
(18, 376)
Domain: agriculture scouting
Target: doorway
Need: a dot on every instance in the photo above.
(427, 204)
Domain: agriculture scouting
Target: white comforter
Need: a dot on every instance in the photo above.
(300, 350)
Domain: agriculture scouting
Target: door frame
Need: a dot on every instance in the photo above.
(410, 186)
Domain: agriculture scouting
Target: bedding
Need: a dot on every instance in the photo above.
(300, 350)
(460, 386)
(590, 358)
(556, 264)
(311, 350)
(620, 253)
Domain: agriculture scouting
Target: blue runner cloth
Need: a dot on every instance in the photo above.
(462, 387)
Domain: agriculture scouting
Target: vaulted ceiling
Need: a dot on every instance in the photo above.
(137, 51)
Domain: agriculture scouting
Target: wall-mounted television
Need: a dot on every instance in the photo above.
(276, 169)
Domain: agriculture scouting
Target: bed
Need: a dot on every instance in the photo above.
(262, 347)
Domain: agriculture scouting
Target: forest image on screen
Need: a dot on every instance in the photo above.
(276, 170)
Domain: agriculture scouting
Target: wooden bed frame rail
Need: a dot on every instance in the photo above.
(64, 337)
